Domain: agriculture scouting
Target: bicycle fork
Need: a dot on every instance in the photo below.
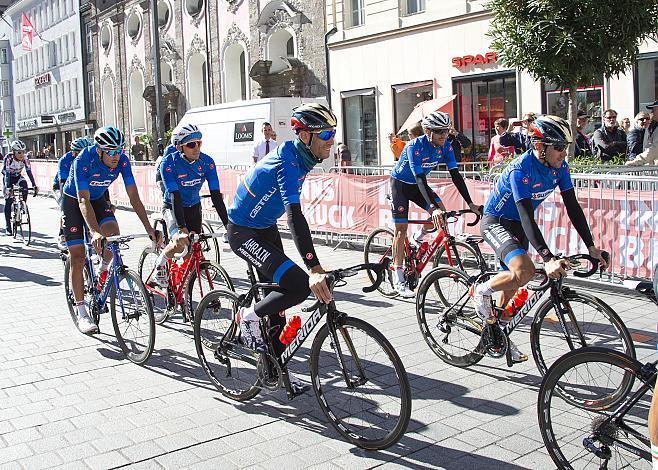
(351, 382)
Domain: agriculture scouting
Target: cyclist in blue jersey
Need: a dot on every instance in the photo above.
(12, 171)
(169, 149)
(509, 224)
(183, 172)
(63, 170)
(268, 190)
(83, 203)
(409, 183)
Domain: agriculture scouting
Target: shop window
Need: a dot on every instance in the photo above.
(406, 97)
(410, 7)
(5, 88)
(360, 126)
(3, 56)
(590, 100)
(647, 81)
(482, 100)
(355, 13)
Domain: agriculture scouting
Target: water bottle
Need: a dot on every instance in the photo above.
(289, 331)
(515, 303)
(422, 249)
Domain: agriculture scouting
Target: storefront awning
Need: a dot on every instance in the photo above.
(362, 92)
(408, 86)
(72, 126)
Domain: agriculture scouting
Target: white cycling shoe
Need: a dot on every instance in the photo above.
(403, 291)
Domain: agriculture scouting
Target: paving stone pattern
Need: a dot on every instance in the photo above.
(72, 401)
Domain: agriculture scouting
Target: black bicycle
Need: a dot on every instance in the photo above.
(565, 320)
(21, 226)
(593, 405)
(358, 378)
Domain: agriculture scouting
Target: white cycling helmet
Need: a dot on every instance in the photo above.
(185, 133)
(436, 121)
(18, 146)
(109, 138)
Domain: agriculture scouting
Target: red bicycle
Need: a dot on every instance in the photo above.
(189, 281)
(461, 251)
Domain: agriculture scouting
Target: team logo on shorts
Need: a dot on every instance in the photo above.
(73, 229)
(309, 256)
(525, 180)
(400, 208)
(282, 314)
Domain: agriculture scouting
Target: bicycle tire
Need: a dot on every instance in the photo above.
(211, 243)
(563, 402)
(610, 330)
(24, 223)
(655, 282)
(159, 297)
(472, 264)
(373, 252)
(219, 280)
(456, 317)
(89, 293)
(334, 406)
(214, 324)
(140, 319)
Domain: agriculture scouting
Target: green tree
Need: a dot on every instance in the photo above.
(571, 42)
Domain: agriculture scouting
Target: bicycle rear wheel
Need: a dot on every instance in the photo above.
(89, 290)
(161, 301)
(22, 223)
(598, 323)
(373, 411)
(211, 276)
(377, 246)
(462, 256)
(578, 393)
(132, 317)
(220, 351)
(447, 320)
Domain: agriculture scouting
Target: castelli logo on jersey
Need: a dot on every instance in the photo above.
(554, 172)
(525, 180)
(199, 168)
(544, 252)
(417, 152)
(309, 256)
(212, 166)
(125, 163)
(168, 169)
(84, 168)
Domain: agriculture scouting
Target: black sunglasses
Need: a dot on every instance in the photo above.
(643, 119)
(559, 147)
(193, 144)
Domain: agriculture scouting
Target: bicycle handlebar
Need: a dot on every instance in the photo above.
(454, 214)
(574, 261)
(197, 237)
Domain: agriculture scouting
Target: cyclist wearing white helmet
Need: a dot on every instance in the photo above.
(509, 224)
(183, 174)
(409, 183)
(84, 203)
(12, 171)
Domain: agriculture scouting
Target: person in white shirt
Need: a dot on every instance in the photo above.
(266, 145)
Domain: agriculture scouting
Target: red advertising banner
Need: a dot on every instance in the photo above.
(26, 33)
(626, 225)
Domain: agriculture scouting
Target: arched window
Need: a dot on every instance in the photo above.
(109, 115)
(166, 73)
(235, 74)
(137, 108)
(280, 44)
(197, 81)
(290, 47)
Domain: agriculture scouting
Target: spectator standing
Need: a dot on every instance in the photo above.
(398, 144)
(583, 143)
(343, 155)
(266, 145)
(649, 155)
(625, 125)
(519, 140)
(50, 151)
(459, 142)
(635, 137)
(499, 153)
(138, 150)
(609, 140)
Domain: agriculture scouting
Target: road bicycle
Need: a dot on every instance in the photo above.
(358, 378)
(567, 319)
(593, 405)
(21, 226)
(188, 282)
(461, 251)
(123, 292)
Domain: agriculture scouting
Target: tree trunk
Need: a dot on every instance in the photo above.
(572, 117)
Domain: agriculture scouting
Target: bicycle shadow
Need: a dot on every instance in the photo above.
(11, 274)
(18, 250)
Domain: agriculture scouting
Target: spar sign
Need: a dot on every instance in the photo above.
(26, 33)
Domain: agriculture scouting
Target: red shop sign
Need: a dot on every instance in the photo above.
(479, 59)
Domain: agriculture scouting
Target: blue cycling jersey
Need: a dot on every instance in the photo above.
(420, 157)
(525, 178)
(89, 173)
(64, 167)
(265, 191)
(178, 174)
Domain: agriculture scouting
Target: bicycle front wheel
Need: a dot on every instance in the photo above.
(447, 320)
(379, 245)
(23, 225)
(210, 246)
(373, 410)
(221, 353)
(578, 394)
(211, 277)
(160, 298)
(132, 317)
(89, 290)
(589, 322)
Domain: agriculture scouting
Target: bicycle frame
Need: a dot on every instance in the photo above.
(441, 238)
(112, 275)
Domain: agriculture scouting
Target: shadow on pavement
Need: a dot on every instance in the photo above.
(15, 249)
(8, 273)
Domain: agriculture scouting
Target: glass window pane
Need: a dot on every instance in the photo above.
(361, 129)
(406, 100)
(647, 81)
(589, 100)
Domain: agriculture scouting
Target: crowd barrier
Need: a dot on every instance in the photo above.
(621, 209)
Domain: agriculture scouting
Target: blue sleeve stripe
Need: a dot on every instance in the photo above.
(280, 271)
(512, 254)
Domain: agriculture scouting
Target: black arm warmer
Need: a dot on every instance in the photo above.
(458, 179)
(531, 229)
(301, 235)
(425, 190)
(577, 216)
(179, 209)
(218, 202)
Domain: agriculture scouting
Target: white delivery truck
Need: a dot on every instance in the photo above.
(230, 130)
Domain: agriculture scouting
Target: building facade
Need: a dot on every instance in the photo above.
(47, 74)
(7, 122)
(210, 52)
(389, 55)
